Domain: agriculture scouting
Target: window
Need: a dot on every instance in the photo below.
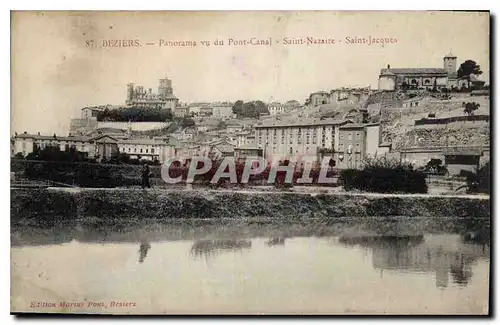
(291, 150)
(152, 150)
(128, 149)
(141, 150)
(135, 149)
(147, 150)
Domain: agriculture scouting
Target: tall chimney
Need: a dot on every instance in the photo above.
(388, 66)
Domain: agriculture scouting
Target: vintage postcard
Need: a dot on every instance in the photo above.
(250, 162)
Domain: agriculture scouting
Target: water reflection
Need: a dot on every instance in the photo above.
(143, 251)
(213, 247)
(447, 256)
(293, 268)
(276, 241)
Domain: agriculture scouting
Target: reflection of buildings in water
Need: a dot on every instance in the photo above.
(211, 248)
(429, 259)
(275, 241)
(143, 251)
(412, 254)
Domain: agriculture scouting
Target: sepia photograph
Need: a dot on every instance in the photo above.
(250, 163)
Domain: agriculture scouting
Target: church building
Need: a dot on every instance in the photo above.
(420, 78)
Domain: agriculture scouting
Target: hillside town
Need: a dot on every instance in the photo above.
(417, 116)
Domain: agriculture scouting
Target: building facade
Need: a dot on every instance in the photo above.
(222, 110)
(356, 143)
(293, 141)
(276, 108)
(346, 143)
(98, 147)
(391, 79)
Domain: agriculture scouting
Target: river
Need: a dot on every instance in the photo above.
(286, 269)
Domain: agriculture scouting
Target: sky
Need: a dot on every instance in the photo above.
(54, 73)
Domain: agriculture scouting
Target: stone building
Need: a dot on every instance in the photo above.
(140, 97)
(99, 147)
(391, 79)
(222, 110)
(340, 139)
(356, 143)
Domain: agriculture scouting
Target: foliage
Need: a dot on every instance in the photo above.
(384, 176)
(82, 174)
(479, 180)
(251, 109)
(54, 153)
(470, 108)
(187, 122)
(469, 67)
(435, 167)
(135, 114)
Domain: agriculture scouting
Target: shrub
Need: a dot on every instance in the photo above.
(384, 176)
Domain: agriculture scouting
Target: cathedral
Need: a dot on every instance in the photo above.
(422, 78)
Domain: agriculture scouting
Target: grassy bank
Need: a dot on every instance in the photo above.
(110, 206)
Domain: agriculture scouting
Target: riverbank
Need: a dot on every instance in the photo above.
(101, 206)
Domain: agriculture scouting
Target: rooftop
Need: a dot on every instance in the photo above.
(357, 125)
(439, 71)
(51, 137)
(303, 122)
(449, 56)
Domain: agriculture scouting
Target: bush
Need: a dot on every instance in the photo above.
(384, 176)
(83, 174)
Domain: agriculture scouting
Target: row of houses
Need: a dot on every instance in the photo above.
(104, 146)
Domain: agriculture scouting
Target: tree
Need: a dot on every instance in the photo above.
(468, 68)
(187, 122)
(470, 108)
(238, 107)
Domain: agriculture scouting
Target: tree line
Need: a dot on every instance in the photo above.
(135, 114)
